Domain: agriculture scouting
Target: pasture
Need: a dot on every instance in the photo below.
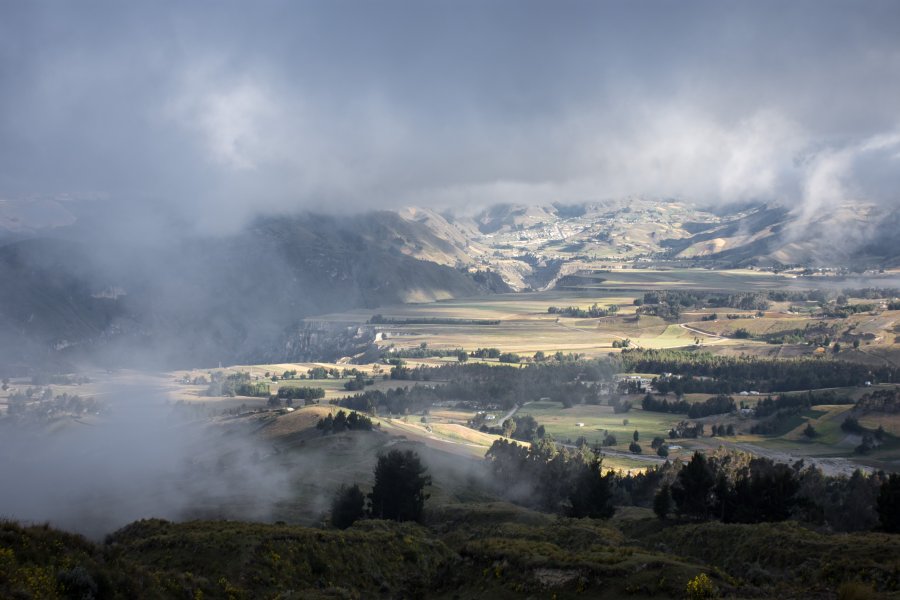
(596, 421)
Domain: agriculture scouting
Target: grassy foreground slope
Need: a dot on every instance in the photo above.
(463, 551)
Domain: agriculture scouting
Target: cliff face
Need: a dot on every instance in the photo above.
(319, 341)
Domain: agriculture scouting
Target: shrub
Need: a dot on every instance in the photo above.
(700, 587)
(855, 590)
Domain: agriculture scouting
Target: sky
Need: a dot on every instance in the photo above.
(216, 111)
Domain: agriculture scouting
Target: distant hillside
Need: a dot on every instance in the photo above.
(856, 236)
(533, 246)
(204, 300)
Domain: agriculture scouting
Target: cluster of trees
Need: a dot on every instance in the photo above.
(728, 486)
(359, 382)
(344, 422)
(509, 357)
(738, 488)
(871, 438)
(551, 478)
(668, 304)
(884, 401)
(422, 351)
(655, 404)
(240, 384)
(486, 353)
(824, 296)
(39, 405)
(403, 372)
(620, 406)
(524, 428)
(798, 295)
(593, 312)
(716, 405)
(721, 430)
(42, 379)
(394, 401)
(844, 311)
(301, 393)
(314, 373)
(323, 373)
(686, 430)
(398, 493)
(702, 372)
(869, 293)
(797, 402)
(234, 384)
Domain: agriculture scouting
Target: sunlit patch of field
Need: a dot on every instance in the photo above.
(755, 325)
(890, 422)
(623, 464)
(300, 420)
(452, 438)
(562, 423)
(826, 420)
(450, 415)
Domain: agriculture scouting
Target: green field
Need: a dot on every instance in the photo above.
(562, 423)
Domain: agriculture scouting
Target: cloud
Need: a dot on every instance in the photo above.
(868, 170)
(217, 112)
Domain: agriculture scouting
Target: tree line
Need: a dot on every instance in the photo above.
(702, 372)
(729, 486)
(716, 405)
(592, 312)
(487, 386)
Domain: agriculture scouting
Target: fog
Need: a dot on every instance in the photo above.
(141, 459)
(210, 113)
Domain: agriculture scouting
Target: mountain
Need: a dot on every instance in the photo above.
(531, 247)
(202, 300)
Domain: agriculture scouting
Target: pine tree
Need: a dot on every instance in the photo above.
(662, 502)
(692, 488)
(399, 491)
(348, 506)
(591, 495)
(889, 504)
